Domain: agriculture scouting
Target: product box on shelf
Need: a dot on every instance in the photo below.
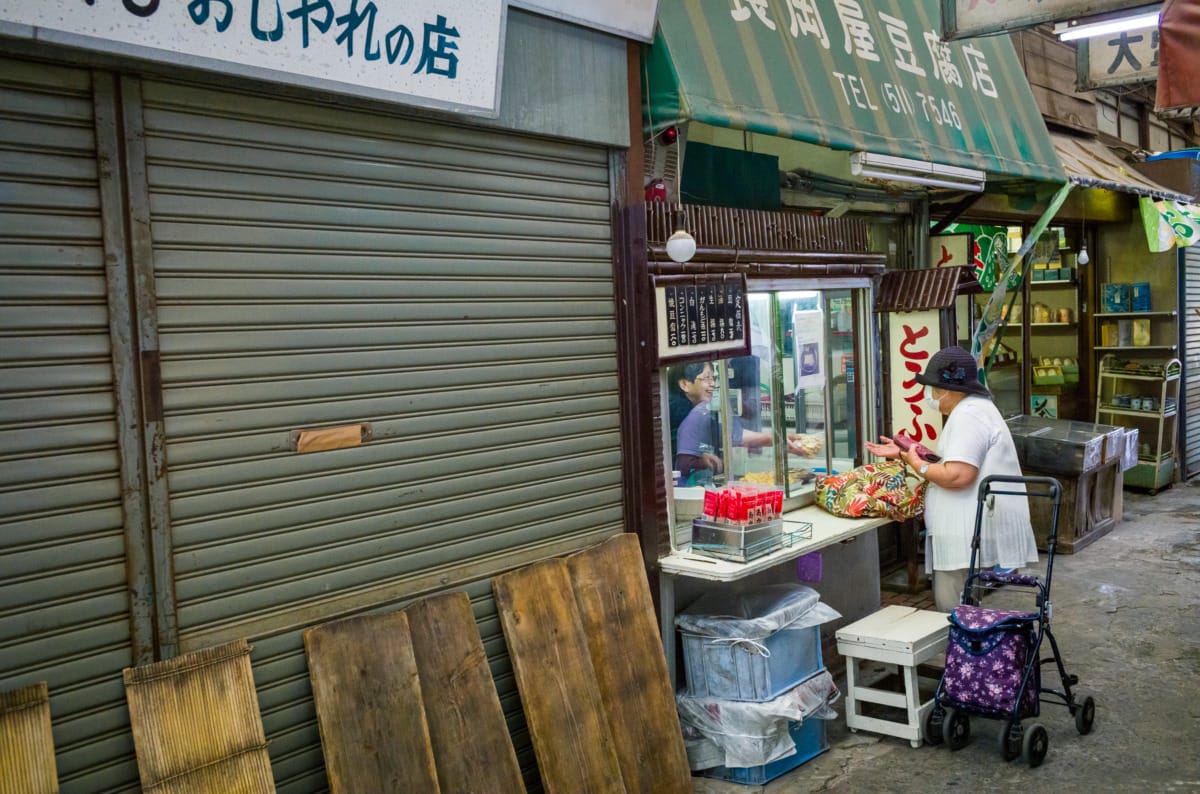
(1139, 296)
(1141, 331)
(1124, 333)
(1115, 297)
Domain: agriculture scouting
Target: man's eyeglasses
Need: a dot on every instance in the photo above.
(706, 378)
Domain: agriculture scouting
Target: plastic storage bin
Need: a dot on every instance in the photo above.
(810, 740)
(740, 670)
(755, 644)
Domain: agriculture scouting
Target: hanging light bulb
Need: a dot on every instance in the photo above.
(681, 246)
(1082, 258)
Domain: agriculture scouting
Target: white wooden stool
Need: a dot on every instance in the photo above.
(900, 636)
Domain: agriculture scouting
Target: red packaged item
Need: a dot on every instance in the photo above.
(711, 504)
(723, 511)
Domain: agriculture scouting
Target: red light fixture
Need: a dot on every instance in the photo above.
(669, 135)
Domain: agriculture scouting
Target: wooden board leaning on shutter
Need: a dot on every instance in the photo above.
(559, 691)
(614, 600)
(369, 707)
(590, 668)
(471, 744)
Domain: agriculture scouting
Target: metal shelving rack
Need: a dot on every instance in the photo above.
(1143, 394)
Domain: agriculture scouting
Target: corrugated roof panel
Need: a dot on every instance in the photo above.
(919, 290)
(1088, 162)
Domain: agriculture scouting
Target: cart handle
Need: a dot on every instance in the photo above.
(1049, 487)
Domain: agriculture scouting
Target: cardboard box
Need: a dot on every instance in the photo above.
(1115, 297)
(1141, 331)
(1139, 296)
(1053, 274)
(1066, 273)
(1039, 274)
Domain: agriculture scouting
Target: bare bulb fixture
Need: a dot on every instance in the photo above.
(681, 246)
(1082, 258)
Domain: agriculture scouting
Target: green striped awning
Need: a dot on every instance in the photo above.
(855, 75)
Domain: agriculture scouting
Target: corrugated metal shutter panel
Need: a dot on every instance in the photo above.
(64, 609)
(449, 286)
(1191, 360)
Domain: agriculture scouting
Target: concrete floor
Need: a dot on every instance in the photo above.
(1127, 619)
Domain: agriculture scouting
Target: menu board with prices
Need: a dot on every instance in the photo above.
(701, 315)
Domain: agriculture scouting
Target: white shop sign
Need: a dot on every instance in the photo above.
(1117, 59)
(914, 338)
(962, 19)
(633, 19)
(434, 53)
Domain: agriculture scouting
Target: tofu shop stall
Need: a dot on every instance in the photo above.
(783, 180)
(1059, 365)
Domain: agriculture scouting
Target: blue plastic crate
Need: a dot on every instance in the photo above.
(719, 668)
(810, 740)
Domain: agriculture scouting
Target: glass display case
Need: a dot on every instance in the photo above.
(790, 410)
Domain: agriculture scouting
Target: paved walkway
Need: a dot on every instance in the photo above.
(1127, 618)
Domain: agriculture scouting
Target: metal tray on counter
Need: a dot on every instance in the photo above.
(743, 543)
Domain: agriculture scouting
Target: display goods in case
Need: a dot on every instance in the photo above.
(1144, 395)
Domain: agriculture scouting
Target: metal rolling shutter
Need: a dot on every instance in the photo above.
(1190, 284)
(64, 608)
(451, 287)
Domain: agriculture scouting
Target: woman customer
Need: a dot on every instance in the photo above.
(975, 443)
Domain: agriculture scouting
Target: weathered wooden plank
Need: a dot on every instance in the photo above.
(27, 742)
(559, 691)
(471, 745)
(196, 726)
(617, 612)
(370, 711)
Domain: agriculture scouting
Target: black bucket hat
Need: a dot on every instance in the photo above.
(954, 369)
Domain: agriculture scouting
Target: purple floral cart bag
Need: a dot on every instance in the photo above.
(986, 656)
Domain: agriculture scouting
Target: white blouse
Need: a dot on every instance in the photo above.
(975, 433)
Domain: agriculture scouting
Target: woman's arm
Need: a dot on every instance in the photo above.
(952, 475)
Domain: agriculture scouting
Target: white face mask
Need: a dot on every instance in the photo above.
(930, 400)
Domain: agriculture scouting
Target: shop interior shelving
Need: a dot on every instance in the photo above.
(1053, 369)
(1142, 394)
(1154, 317)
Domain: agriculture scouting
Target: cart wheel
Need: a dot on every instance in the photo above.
(1085, 714)
(1010, 740)
(1034, 745)
(934, 720)
(956, 728)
